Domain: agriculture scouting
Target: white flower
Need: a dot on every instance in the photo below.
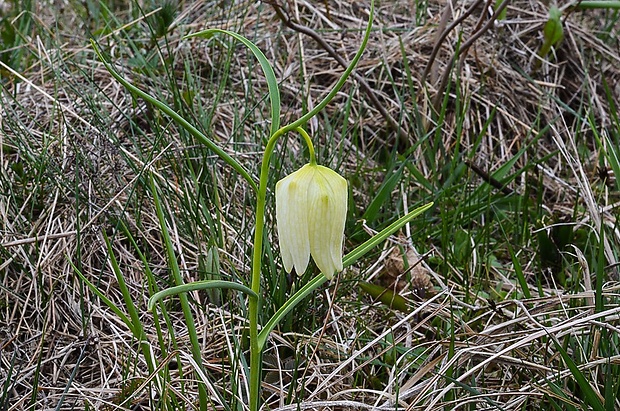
(311, 209)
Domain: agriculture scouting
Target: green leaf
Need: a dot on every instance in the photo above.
(348, 260)
(175, 270)
(386, 296)
(613, 156)
(212, 272)
(124, 318)
(553, 32)
(199, 285)
(599, 4)
(131, 307)
(295, 299)
(378, 238)
(270, 75)
(178, 119)
(384, 194)
(502, 14)
(583, 383)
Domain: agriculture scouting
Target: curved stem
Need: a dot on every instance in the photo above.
(308, 141)
(254, 303)
(253, 306)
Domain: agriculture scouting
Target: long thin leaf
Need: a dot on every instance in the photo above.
(178, 279)
(613, 156)
(131, 307)
(124, 318)
(198, 285)
(270, 75)
(386, 296)
(180, 120)
(583, 383)
(384, 194)
(348, 260)
(378, 238)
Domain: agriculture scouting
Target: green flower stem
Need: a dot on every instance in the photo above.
(308, 143)
(255, 351)
(255, 347)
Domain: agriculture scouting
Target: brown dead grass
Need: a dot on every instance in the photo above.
(41, 300)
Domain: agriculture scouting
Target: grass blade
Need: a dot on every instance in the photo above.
(583, 383)
(176, 272)
(124, 318)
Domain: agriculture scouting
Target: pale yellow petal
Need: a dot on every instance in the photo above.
(282, 218)
(311, 209)
(328, 196)
(339, 188)
(292, 220)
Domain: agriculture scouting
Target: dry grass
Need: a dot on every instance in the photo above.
(65, 180)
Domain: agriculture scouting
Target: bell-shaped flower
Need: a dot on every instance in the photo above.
(311, 209)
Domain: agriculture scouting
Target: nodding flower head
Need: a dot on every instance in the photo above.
(311, 209)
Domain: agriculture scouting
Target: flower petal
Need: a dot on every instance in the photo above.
(311, 209)
(328, 198)
(292, 220)
(282, 218)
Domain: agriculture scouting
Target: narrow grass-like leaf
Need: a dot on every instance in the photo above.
(384, 194)
(157, 322)
(178, 119)
(74, 373)
(361, 250)
(176, 273)
(599, 4)
(153, 288)
(517, 266)
(270, 75)
(348, 260)
(613, 156)
(599, 303)
(199, 285)
(295, 299)
(137, 330)
(493, 405)
(559, 394)
(124, 318)
(386, 296)
(583, 383)
(519, 272)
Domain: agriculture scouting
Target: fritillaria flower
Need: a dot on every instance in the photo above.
(311, 208)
